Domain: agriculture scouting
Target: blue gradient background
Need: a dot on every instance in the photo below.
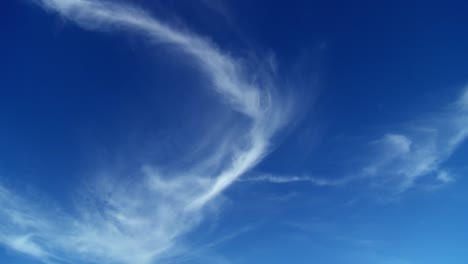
(71, 100)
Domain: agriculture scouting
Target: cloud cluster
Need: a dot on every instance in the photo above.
(145, 222)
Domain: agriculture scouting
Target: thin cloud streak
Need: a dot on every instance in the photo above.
(269, 178)
(148, 222)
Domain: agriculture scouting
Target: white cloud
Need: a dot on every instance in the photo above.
(296, 179)
(398, 144)
(444, 177)
(145, 222)
(399, 160)
(463, 102)
(423, 148)
(26, 245)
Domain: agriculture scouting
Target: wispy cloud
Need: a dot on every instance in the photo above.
(398, 160)
(444, 177)
(422, 149)
(295, 179)
(144, 222)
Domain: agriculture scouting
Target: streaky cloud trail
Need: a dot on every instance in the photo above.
(400, 161)
(146, 223)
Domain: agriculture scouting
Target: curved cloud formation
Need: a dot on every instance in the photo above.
(142, 224)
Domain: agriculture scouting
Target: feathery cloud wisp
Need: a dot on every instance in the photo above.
(296, 179)
(144, 223)
(422, 150)
(403, 158)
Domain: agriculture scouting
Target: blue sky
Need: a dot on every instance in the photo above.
(233, 132)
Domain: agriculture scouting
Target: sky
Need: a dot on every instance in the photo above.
(233, 132)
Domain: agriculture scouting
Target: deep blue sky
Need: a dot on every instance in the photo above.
(368, 167)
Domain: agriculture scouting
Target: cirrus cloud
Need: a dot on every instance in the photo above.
(147, 220)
